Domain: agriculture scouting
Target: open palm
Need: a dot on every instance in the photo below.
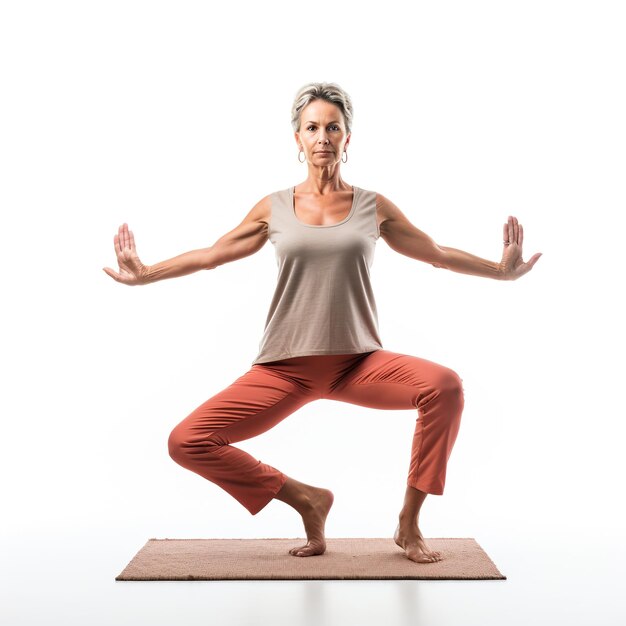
(512, 264)
(131, 269)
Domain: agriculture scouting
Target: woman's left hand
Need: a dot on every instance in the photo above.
(512, 266)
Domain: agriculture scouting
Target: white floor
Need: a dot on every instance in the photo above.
(567, 577)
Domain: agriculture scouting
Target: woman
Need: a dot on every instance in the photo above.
(321, 335)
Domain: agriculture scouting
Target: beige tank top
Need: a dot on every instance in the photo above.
(323, 302)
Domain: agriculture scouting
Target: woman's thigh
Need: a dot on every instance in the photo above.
(390, 380)
(251, 405)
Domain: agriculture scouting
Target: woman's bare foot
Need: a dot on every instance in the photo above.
(410, 539)
(313, 504)
(314, 514)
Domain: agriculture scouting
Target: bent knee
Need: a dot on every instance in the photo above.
(451, 386)
(175, 444)
(183, 444)
(179, 444)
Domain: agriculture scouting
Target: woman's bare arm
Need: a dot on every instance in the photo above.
(244, 240)
(403, 237)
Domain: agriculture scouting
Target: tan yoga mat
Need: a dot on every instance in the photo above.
(269, 559)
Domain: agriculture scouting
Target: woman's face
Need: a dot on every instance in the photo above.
(322, 128)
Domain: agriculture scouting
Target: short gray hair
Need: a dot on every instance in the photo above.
(331, 92)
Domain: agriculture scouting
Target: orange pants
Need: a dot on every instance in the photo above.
(269, 392)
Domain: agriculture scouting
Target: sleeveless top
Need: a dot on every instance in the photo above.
(323, 302)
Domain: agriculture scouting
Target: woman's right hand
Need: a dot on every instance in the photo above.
(131, 270)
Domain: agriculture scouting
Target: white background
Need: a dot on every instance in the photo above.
(175, 118)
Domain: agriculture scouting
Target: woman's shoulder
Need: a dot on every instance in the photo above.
(385, 208)
(262, 210)
(378, 198)
(366, 191)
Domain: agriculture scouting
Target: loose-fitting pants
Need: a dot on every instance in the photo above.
(269, 392)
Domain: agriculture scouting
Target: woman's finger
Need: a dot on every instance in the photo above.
(112, 273)
(132, 241)
(119, 250)
(521, 236)
(505, 232)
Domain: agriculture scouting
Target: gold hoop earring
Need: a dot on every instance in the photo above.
(346, 157)
(299, 156)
